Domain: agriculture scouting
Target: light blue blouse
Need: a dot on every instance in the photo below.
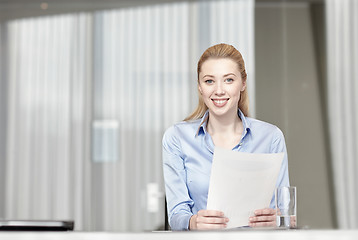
(187, 157)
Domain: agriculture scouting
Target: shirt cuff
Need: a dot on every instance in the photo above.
(180, 222)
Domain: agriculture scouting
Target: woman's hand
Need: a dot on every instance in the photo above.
(263, 218)
(208, 219)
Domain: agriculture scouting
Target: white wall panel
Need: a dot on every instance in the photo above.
(342, 52)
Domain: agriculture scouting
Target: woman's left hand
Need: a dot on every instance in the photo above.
(263, 218)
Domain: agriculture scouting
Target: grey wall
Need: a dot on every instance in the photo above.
(288, 95)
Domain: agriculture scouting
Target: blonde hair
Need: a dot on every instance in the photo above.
(222, 50)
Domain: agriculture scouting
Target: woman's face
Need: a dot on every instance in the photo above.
(220, 85)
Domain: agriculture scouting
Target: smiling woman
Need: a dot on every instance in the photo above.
(220, 120)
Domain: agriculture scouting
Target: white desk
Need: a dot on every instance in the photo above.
(217, 235)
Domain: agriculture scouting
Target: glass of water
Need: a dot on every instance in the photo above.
(286, 207)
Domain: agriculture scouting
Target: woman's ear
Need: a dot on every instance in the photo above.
(200, 90)
(243, 86)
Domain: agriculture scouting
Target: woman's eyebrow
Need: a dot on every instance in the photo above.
(229, 74)
(211, 76)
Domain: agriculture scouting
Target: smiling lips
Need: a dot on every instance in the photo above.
(220, 102)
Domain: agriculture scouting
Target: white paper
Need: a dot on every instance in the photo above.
(241, 183)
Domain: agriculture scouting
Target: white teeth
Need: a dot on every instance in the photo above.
(219, 101)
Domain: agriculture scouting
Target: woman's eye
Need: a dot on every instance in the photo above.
(209, 81)
(229, 80)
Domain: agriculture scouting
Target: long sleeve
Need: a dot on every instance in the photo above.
(178, 199)
(278, 145)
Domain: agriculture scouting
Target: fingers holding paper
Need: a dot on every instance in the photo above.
(263, 218)
(208, 219)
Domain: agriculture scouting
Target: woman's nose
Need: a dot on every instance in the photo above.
(219, 89)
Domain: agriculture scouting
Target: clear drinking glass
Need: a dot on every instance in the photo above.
(286, 207)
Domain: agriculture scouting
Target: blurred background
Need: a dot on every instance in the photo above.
(87, 89)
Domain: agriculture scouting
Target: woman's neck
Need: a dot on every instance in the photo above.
(227, 125)
(225, 131)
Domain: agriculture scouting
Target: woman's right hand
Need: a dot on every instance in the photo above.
(208, 219)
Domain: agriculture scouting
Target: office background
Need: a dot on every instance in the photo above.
(87, 90)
